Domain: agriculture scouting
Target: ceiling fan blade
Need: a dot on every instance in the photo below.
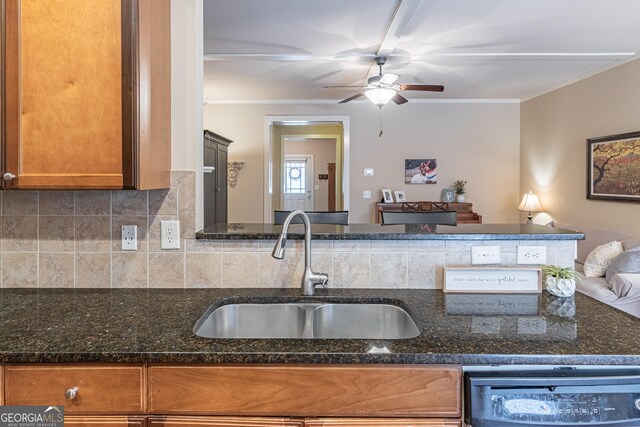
(351, 98)
(388, 78)
(399, 99)
(330, 87)
(429, 88)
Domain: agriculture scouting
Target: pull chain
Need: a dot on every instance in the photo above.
(381, 131)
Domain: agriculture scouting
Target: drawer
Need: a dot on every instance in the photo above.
(105, 421)
(174, 421)
(382, 422)
(101, 389)
(309, 390)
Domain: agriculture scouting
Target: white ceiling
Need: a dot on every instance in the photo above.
(284, 50)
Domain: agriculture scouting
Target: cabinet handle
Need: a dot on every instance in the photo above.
(71, 393)
(8, 176)
(208, 169)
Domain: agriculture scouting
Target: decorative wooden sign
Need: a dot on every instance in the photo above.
(492, 280)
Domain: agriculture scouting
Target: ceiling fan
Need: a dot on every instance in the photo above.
(382, 88)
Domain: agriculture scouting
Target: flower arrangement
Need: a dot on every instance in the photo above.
(458, 187)
(559, 272)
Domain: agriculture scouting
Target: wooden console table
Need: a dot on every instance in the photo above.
(465, 213)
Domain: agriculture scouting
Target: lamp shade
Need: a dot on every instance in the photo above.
(530, 203)
(380, 96)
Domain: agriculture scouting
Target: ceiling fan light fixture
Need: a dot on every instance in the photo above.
(380, 96)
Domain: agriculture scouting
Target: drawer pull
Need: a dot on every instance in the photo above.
(71, 393)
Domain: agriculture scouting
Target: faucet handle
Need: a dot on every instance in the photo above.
(323, 280)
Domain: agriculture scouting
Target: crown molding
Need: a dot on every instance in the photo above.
(335, 101)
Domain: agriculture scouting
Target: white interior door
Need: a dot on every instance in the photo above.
(298, 183)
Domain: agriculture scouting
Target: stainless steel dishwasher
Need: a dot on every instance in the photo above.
(553, 397)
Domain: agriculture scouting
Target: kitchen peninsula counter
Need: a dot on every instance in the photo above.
(250, 231)
(156, 326)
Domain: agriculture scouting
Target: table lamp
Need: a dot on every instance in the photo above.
(530, 203)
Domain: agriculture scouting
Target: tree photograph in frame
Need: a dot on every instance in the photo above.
(613, 167)
(386, 194)
(420, 171)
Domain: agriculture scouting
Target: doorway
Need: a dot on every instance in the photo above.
(301, 130)
(298, 191)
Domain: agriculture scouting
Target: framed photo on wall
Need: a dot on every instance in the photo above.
(613, 167)
(420, 171)
(386, 195)
(400, 196)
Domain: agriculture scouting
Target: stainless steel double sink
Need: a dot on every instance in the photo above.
(307, 321)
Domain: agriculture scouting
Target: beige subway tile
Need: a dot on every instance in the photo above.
(129, 270)
(426, 245)
(20, 203)
(458, 258)
(424, 269)
(281, 273)
(388, 246)
(93, 270)
(351, 245)
(163, 202)
(19, 270)
(92, 202)
(93, 233)
(351, 270)
(240, 270)
(56, 233)
(243, 246)
(116, 231)
(166, 270)
(460, 245)
(129, 202)
(178, 177)
(203, 270)
(56, 203)
(19, 233)
(56, 270)
(388, 270)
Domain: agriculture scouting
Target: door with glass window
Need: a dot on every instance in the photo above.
(297, 183)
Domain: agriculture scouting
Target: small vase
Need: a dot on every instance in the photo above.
(561, 287)
(460, 198)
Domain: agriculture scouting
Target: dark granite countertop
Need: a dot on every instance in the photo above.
(156, 325)
(390, 232)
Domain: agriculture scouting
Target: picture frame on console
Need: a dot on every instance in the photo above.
(386, 196)
(400, 196)
(613, 165)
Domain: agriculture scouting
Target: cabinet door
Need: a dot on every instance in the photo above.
(64, 93)
(210, 183)
(223, 422)
(381, 422)
(105, 421)
(221, 187)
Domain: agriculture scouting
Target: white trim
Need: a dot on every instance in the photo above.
(364, 101)
(268, 160)
(583, 76)
(199, 115)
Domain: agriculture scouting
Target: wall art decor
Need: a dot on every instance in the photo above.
(613, 167)
(420, 171)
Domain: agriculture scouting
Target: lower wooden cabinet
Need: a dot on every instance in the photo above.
(105, 421)
(81, 388)
(381, 422)
(223, 422)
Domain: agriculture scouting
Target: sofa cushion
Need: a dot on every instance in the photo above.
(625, 263)
(631, 244)
(599, 259)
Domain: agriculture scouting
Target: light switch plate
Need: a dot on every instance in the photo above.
(532, 255)
(170, 234)
(485, 255)
(366, 194)
(129, 237)
(368, 172)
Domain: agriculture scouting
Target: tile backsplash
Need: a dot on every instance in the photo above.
(67, 239)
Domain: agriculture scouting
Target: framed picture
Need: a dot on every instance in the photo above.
(386, 194)
(613, 167)
(448, 195)
(493, 280)
(420, 171)
(400, 196)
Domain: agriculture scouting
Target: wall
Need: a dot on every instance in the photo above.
(323, 151)
(554, 129)
(475, 142)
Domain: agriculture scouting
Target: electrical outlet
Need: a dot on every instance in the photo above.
(485, 255)
(129, 237)
(170, 234)
(366, 194)
(532, 255)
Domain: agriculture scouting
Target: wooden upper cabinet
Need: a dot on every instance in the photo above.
(87, 94)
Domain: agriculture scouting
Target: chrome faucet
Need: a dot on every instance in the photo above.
(309, 279)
